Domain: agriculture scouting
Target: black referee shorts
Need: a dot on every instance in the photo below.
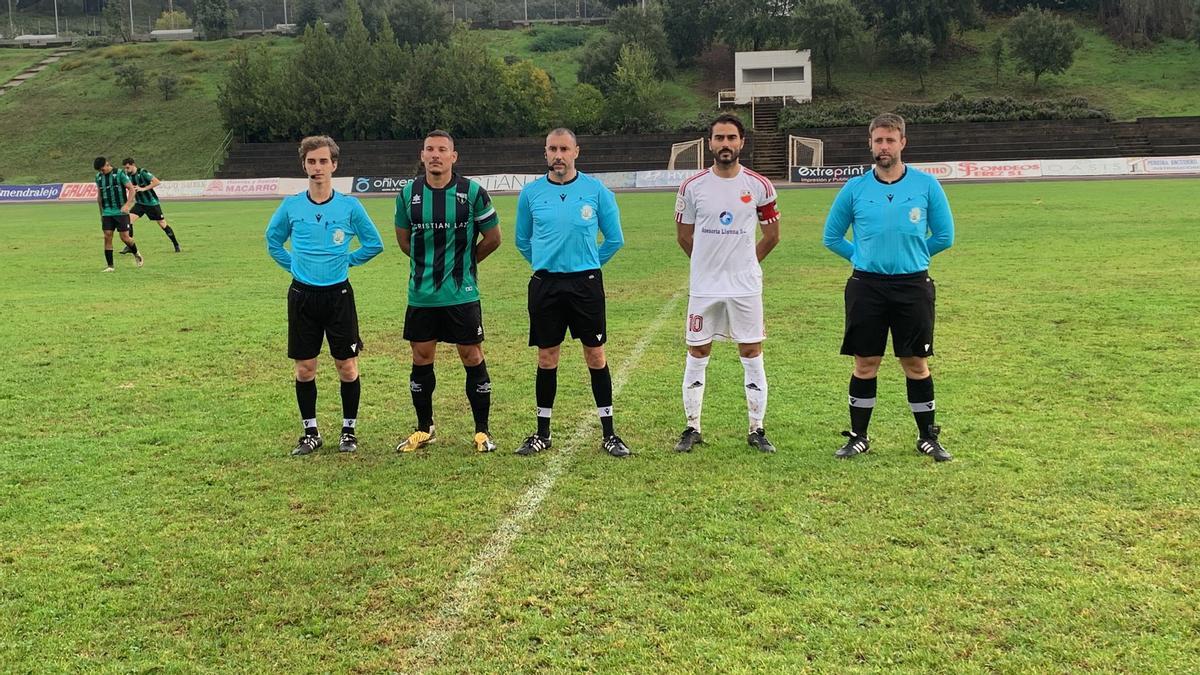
(454, 324)
(151, 212)
(877, 303)
(317, 312)
(558, 301)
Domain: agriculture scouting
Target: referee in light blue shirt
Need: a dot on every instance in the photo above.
(558, 218)
(900, 219)
(320, 223)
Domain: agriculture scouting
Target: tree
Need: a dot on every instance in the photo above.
(214, 18)
(917, 51)
(116, 22)
(629, 25)
(997, 55)
(634, 102)
(529, 100)
(308, 13)
(1138, 23)
(168, 84)
(314, 83)
(583, 110)
(931, 19)
(1196, 22)
(131, 77)
(827, 27)
(758, 24)
(418, 22)
(1042, 42)
(486, 13)
(690, 28)
(173, 21)
(363, 97)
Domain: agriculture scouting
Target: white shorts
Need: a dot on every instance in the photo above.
(737, 320)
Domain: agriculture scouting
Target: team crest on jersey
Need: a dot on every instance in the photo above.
(679, 204)
(339, 236)
(462, 198)
(587, 212)
(914, 215)
(746, 196)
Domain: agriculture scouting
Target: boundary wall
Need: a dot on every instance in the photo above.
(219, 188)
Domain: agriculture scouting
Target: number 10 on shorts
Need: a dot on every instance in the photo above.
(695, 323)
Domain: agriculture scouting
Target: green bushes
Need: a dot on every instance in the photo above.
(557, 38)
(956, 108)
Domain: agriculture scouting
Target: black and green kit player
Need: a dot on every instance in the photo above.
(114, 196)
(146, 199)
(446, 224)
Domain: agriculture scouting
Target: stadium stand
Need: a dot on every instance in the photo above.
(974, 141)
(1034, 139)
(477, 156)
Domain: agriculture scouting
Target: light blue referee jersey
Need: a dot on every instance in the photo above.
(898, 226)
(320, 236)
(557, 224)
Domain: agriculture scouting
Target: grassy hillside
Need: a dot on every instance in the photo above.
(74, 111)
(13, 61)
(56, 115)
(681, 99)
(1129, 83)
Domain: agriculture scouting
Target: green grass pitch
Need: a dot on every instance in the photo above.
(150, 517)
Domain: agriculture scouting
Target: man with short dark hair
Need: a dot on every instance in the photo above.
(446, 225)
(114, 194)
(320, 223)
(146, 198)
(901, 219)
(558, 218)
(716, 214)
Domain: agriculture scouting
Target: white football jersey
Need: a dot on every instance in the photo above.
(725, 213)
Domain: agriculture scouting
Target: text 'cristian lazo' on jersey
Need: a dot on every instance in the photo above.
(444, 224)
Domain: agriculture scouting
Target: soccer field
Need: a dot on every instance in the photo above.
(150, 516)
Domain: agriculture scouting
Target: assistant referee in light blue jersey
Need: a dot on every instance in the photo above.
(558, 219)
(320, 224)
(900, 219)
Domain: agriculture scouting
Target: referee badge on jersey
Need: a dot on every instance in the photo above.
(914, 215)
(587, 212)
(339, 236)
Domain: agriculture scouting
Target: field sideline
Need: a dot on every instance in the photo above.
(151, 518)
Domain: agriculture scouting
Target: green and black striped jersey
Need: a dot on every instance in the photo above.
(142, 178)
(111, 187)
(444, 224)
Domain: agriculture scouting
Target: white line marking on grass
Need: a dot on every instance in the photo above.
(462, 596)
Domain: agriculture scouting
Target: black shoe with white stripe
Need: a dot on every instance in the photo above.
(928, 445)
(614, 446)
(349, 443)
(307, 445)
(533, 445)
(857, 445)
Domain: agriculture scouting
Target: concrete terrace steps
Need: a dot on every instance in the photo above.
(770, 156)
(32, 71)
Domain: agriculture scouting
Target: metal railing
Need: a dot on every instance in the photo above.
(218, 157)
